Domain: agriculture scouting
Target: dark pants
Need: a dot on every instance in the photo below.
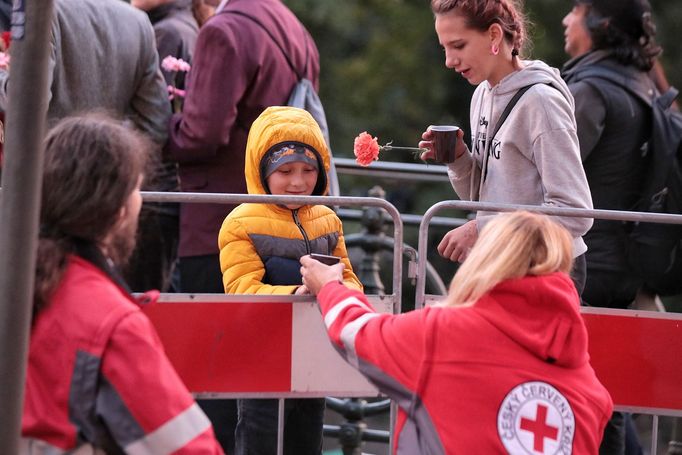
(578, 273)
(257, 426)
(201, 274)
(608, 289)
(613, 441)
(151, 265)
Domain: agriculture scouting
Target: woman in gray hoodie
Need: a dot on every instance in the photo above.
(533, 158)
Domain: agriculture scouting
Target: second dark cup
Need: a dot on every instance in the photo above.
(444, 142)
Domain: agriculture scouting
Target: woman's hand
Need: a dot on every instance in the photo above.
(316, 274)
(427, 143)
(457, 243)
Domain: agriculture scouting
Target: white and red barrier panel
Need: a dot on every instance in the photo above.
(254, 346)
(638, 357)
(249, 346)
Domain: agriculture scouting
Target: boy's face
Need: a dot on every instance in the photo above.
(295, 178)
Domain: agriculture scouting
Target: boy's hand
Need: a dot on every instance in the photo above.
(302, 290)
(316, 274)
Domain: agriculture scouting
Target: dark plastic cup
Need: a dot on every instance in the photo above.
(444, 142)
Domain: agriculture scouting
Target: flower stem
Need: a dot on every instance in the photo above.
(388, 148)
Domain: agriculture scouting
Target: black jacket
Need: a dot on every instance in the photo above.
(612, 128)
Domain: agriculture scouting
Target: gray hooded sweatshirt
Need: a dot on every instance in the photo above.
(534, 159)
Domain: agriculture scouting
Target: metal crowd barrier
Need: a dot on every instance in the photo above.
(631, 351)
(254, 346)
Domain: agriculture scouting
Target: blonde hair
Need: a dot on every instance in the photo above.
(511, 245)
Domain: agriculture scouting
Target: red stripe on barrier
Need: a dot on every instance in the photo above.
(637, 358)
(236, 347)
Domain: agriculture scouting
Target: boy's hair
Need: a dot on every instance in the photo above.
(511, 245)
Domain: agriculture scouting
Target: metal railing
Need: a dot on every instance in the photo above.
(217, 198)
(394, 171)
(497, 207)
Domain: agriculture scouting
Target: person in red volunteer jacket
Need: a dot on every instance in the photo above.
(98, 380)
(501, 366)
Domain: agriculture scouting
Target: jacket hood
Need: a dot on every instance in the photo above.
(542, 314)
(534, 72)
(276, 125)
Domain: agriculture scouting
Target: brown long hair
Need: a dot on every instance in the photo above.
(511, 245)
(92, 165)
(481, 14)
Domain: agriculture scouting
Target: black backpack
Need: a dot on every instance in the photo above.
(304, 96)
(655, 249)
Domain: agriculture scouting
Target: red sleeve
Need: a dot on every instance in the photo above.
(142, 400)
(392, 343)
(218, 80)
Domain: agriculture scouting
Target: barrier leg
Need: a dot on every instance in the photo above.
(654, 435)
(675, 445)
(280, 427)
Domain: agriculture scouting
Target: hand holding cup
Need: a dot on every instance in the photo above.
(443, 143)
(315, 274)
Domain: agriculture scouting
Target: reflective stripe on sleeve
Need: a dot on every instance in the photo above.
(350, 331)
(331, 316)
(173, 435)
(32, 446)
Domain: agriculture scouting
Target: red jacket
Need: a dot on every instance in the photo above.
(510, 374)
(237, 71)
(98, 375)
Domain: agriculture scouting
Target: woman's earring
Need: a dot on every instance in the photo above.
(494, 49)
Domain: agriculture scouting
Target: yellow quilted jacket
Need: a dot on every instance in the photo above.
(261, 244)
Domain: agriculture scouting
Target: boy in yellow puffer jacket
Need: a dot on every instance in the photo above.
(260, 247)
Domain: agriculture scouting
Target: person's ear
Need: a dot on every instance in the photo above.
(496, 35)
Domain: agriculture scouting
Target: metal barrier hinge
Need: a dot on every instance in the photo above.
(411, 264)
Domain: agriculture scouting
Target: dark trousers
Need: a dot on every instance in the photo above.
(578, 273)
(257, 426)
(609, 289)
(151, 265)
(201, 274)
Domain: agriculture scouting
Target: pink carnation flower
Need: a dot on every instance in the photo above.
(366, 149)
(171, 63)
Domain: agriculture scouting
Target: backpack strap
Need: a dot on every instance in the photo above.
(253, 19)
(505, 113)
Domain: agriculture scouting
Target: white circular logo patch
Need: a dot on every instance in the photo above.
(535, 418)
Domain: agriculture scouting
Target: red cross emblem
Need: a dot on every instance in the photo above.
(539, 429)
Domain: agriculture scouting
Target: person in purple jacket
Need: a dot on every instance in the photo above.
(237, 71)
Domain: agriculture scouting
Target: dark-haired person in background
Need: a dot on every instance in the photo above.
(152, 263)
(98, 380)
(613, 126)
